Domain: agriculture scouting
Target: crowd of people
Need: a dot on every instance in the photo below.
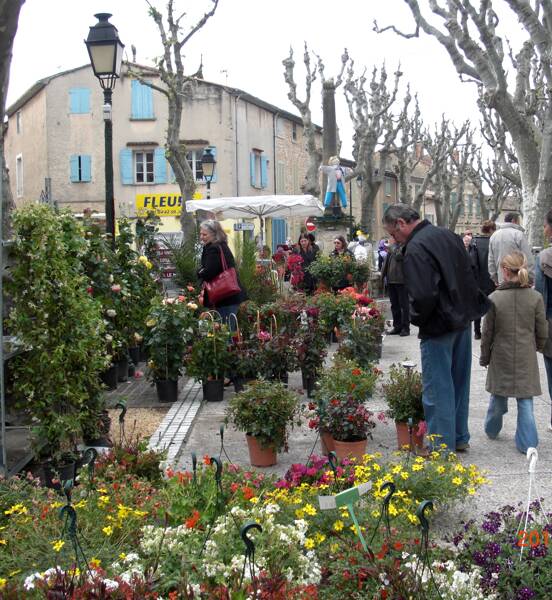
(487, 279)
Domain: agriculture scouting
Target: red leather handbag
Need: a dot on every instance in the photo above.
(224, 284)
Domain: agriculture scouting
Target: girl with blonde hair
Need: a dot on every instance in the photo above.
(514, 329)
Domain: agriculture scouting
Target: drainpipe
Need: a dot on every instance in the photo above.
(236, 150)
(274, 123)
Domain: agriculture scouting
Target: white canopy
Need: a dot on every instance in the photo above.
(243, 207)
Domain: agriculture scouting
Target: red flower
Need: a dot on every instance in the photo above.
(206, 459)
(248, 492)
(234, 486)
(90, 290)
(356, 372)
(398, 546)
(191, 522)
(334, 402)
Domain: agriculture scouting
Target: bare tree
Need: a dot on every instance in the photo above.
(374, 132)
(311, 183)
(176, 87)
(489, 175)
(9, 17)
(523, 103)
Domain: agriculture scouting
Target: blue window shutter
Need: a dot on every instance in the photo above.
(264, 172)
(214, 153)
(141, 101)
(79, 100)
(74, 165)
(125, 162)
(159, 166)
(86, 170)
(278, 232)
(252, 158)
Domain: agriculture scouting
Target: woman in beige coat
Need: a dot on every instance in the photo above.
(513, 330)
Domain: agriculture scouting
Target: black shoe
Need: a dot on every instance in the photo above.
(477, 335)
(404, 332)
(394, 331)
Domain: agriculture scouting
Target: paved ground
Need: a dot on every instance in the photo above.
(507, 469)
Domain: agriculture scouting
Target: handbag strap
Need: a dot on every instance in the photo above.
(223, 259)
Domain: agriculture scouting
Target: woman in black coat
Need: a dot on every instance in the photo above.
(214, 240)
(340, 249)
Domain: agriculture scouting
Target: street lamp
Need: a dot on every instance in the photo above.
(208, 164)
(106, 55)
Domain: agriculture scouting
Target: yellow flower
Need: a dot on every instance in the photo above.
(95, 563)
(457, 481)
(309, 543)
(320, 537)
(80, 504)
(149, 265)
(150, 322)
(417, 467)
(412, 518)
(122, 556)
(14, 573)
(17, 509)
(3, 542)
(310, 510)
(376, 467)
(108, 530)
(375, 514)
(143, 259)
(103, 500)
(57, 545)
(334, 547)
(102, 490)
(338, 525)
(471, 491)
(405, 475)
(123, 511)
(55, 505)
(3, 582)
(299, 513)
(441, 469)
(392, 510)
(459, 468)
(254, 500)
(396, 470)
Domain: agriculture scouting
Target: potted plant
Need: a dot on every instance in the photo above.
(335, 312)
(208, 359)
(403, 393)
(310, 347)
(343, 380)
(60, 324)
(277, 356)
(264, 411)
(170, 328)
(363, 340)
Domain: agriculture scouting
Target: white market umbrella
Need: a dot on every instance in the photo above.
(279, 205)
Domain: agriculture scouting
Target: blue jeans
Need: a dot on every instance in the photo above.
(340, 190)
(225, 312)
(548, 367)
(526, 430)
(446, 370)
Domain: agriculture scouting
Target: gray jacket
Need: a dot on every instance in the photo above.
(505, 240)
(330, 172)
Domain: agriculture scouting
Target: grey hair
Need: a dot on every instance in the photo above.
(215, 228)
(400, 211)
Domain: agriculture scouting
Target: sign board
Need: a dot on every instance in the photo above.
(309, 225)
(168, 269)
(165, 204)
(244, 227)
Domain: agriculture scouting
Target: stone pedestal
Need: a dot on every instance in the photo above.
(325, 235)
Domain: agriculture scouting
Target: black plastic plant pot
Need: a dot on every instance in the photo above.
(213, 390)
(238, 385)
(55, 475)
(134, 355)
(143, 353)
(122, 366)
(110, 376)
(167, 390)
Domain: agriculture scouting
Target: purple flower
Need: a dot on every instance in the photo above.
(492, 549)
(490, 526)
(479, 558)
(525, 593)
(538, 551)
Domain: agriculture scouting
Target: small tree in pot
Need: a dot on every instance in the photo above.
(403, 392)
(170, 328)
(264, 411)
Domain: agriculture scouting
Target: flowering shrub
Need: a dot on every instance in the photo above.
(208, 356)
(335, 310)
(362, 335)
(403, 393)
(348, 420)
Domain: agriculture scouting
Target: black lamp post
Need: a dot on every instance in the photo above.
(106, 55)
(208, 164)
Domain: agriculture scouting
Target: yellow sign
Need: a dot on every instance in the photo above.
(164, 205)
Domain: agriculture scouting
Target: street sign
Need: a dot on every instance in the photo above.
(244, 226)
(310, 226)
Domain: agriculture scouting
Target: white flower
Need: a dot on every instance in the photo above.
(110, 312)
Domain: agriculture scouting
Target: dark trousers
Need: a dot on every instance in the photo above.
(398, 296)
(477, 326)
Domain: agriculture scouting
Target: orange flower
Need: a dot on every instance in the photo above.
(248, 493)
(206, 459)
(170, 473)
(192, 521)
(398, 546)
(356, 372)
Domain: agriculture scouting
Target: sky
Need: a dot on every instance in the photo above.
(244, 44)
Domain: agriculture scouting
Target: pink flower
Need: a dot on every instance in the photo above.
(116, 288)
(422, 428)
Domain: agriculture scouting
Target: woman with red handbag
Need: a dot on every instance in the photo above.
(222, 290)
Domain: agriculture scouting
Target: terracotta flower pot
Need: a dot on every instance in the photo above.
(260, 456)
(356, 449)
(403, 436)
(327, 442)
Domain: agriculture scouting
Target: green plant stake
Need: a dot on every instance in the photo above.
(347, 498)
(249, 550)
(70, 528)
(194, 467)
(123, 406)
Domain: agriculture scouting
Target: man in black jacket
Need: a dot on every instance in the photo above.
(444, 299)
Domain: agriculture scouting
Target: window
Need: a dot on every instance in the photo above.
(258, 169)
(388, 186)
(18, 123)
(294, 132)
(194, 160)
(144, 166)
(19, 175)
(141, 101)
(79, 100)
(80, 168)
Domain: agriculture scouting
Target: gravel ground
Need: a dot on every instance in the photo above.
(139, 422)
